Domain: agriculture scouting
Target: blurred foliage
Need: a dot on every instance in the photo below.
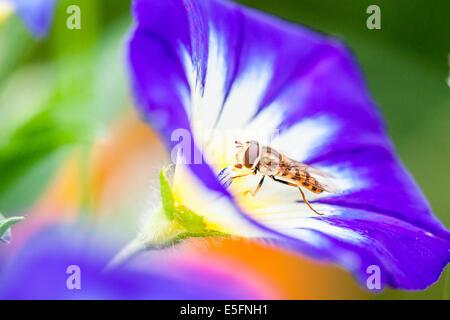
(406, 66)
(58, 94)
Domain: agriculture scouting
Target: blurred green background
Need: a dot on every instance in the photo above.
(61, 93)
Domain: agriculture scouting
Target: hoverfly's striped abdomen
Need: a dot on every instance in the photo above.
(294, 173)
(274, 163)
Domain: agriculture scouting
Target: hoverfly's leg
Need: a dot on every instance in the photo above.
(303, 195)
(243, 175)
(257, 188)
(306, 201)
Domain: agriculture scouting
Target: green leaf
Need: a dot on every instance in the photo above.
(5, 224)
(166, 196)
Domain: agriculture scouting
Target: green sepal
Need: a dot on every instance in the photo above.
(189, 220)
(204, 234)
(193, 223)
(168, 203)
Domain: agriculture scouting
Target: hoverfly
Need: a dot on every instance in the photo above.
(269, 162)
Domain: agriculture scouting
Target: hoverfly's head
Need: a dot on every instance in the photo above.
(247, 154)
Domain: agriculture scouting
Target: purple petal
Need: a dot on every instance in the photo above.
(39, 271)
(240, 68)
(37, 15)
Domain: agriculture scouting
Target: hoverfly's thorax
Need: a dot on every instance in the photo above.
(269, 163)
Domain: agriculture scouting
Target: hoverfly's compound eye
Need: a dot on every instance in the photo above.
(251, 154)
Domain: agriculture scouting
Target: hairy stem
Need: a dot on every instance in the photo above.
(131, 250)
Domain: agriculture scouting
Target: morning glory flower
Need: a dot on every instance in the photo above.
(218, 72)
(44, 268)
(37, 15)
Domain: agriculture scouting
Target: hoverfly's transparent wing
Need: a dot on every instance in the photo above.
(321, 179)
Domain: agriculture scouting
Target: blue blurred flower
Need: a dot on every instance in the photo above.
(41, 270)
(37, 15)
